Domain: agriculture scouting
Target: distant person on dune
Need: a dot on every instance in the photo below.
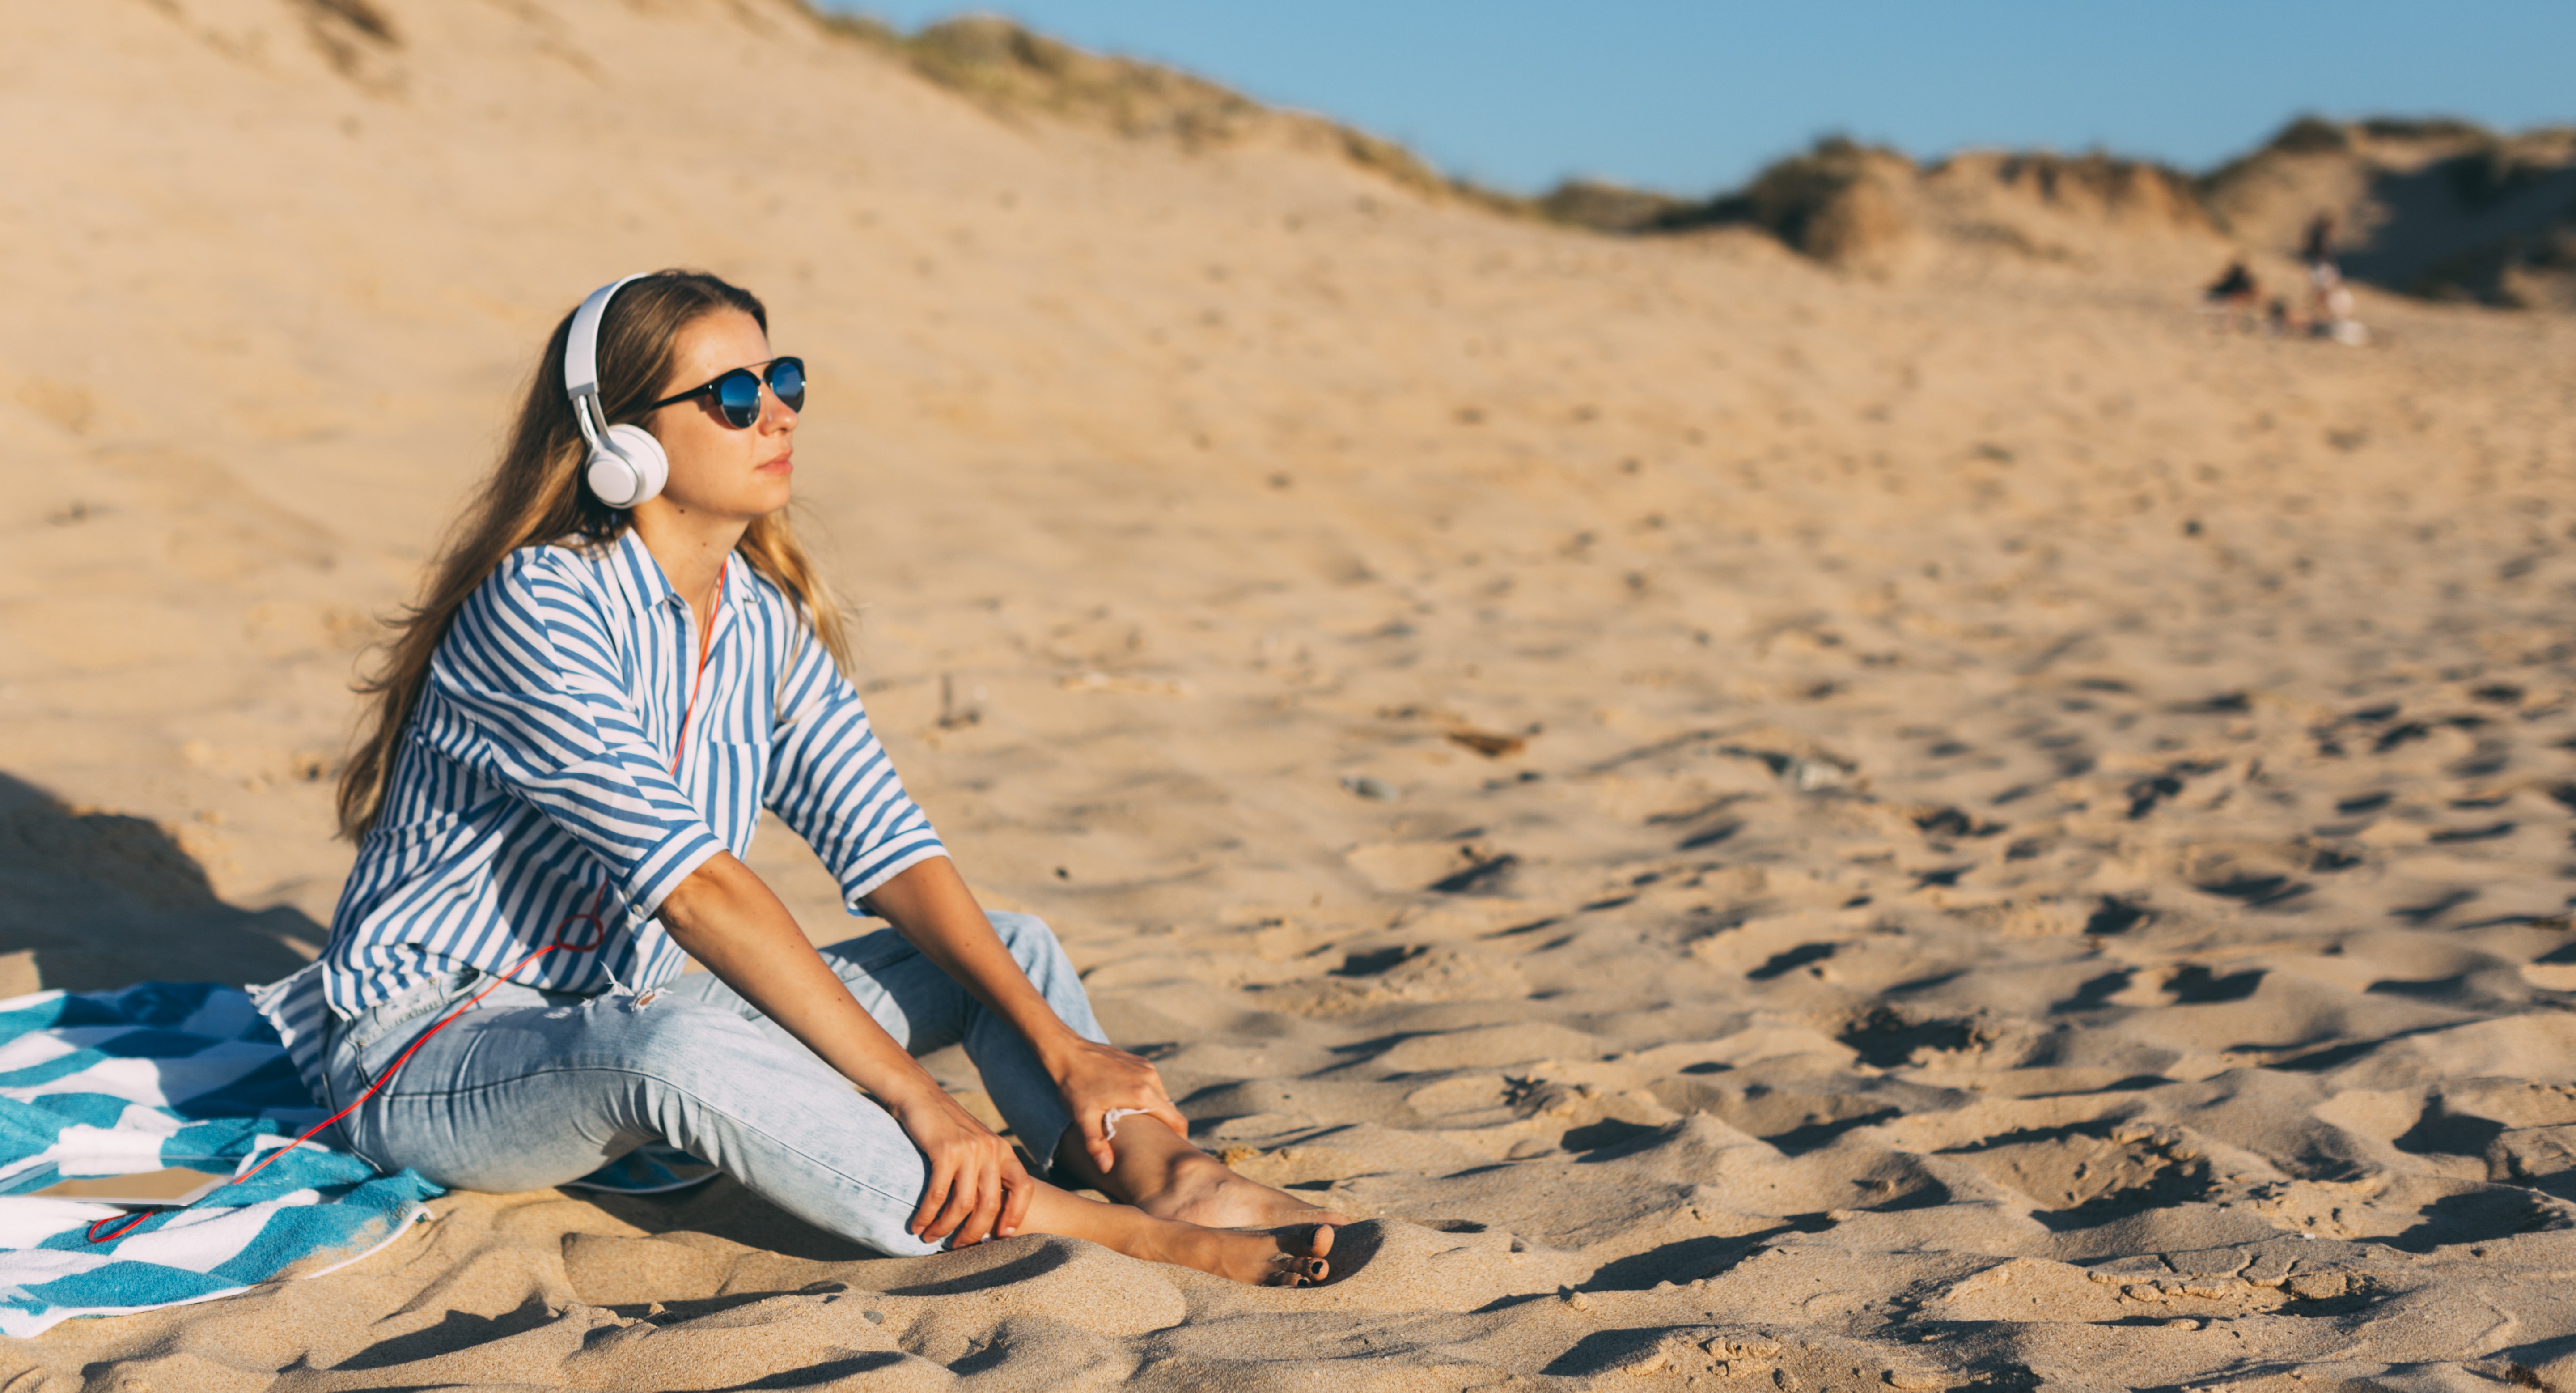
(2333, 318)
(622, 657)
(2317, 249)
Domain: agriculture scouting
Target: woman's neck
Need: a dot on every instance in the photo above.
(691, 549)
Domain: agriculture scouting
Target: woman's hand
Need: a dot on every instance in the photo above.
(1095, 1078)
(977, 1189)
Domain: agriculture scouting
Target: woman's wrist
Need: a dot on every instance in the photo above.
(909, 1091)
(1056, 1045)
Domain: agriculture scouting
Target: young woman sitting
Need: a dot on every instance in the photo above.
(623, 656)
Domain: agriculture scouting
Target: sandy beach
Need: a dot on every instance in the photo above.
(1929, 823)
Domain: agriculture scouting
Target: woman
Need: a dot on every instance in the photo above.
(573, 737)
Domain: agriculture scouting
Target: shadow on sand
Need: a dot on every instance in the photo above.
(90, 901)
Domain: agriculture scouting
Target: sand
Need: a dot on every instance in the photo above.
(1931, 826)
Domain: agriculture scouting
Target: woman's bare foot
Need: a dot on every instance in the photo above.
(1162, 1174)
(1290, 1256)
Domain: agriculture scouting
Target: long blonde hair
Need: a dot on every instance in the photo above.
(536, 493)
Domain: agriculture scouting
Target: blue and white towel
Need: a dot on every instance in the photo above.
(163, 1075)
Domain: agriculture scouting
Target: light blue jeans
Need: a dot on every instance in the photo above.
(535, 1088)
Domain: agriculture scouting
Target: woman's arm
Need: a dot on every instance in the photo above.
(929, 904)
(726, 918)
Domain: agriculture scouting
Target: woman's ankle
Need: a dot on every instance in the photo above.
(1150, 1158)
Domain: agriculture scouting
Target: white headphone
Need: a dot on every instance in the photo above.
(626, 463)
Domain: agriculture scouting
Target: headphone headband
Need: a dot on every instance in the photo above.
(626, 464)
(581, 357)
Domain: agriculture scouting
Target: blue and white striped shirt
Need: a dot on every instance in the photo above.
(536, 770)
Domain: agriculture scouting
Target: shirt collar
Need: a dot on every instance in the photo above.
(654, 588)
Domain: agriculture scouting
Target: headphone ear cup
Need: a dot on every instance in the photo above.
(652, 467)
(628, 467)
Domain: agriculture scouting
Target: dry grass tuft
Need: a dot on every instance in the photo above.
(1015, 72)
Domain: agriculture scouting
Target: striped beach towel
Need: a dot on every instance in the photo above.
(183, 1075)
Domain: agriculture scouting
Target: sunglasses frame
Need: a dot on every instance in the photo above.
(765, 377)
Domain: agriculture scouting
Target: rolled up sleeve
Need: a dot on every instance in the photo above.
(546, 713)
(831, 781)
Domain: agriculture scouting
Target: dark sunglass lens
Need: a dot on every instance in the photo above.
(787, 379)
(738, 394)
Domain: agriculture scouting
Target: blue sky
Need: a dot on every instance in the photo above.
(1693, 95)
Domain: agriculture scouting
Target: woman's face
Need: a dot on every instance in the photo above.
(717, 471)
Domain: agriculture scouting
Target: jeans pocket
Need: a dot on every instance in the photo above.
(366, 1047)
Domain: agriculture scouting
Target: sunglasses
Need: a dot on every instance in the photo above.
(737, 393)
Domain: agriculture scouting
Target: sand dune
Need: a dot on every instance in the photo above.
(1774, 827)
(2435, 208)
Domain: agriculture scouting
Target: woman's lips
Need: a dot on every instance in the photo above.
(784, 464)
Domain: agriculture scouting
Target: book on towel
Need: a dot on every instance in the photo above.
(170, 1186)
